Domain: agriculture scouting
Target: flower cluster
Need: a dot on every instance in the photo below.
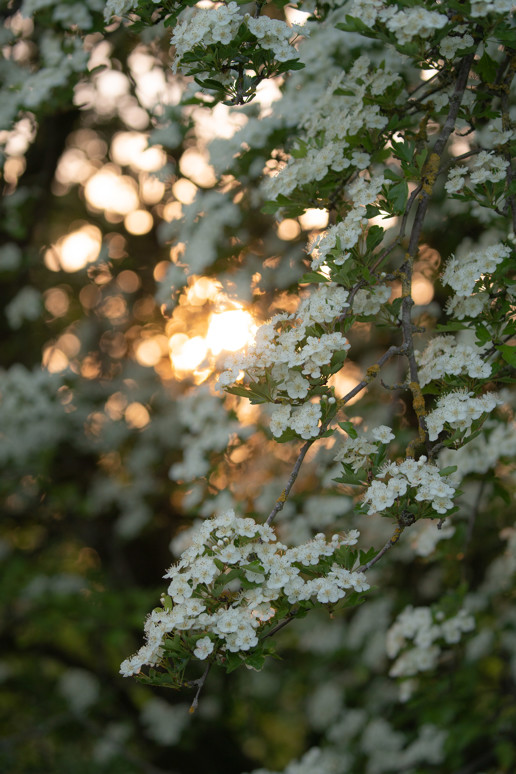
(288, 351)
(274, 35)
(479, 8)
(357, 452)
(336, 241)
(458, 409)
(31, 411)
(420, 475)
(67, 15)
(463, 273)
(487, 166)
(445, 355)
(370, 301)
(205, 26)
(405, 23)
(204, 428)
(303, 420)
(417, 632)
(483, 452)
(455, 42)
(118, 8)
(233, 580)
(343, 109)
(210, 26)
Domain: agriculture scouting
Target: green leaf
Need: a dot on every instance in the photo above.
(210, 83)
(366, 556)
(287, 435)
(253, 567)
(486, 67)
(374, 237)
(313, 276)
(349, 478)
(349, 428)
(452, 326)
(447, 471)
(243, 392)
(292, 64)
(508, 353)
(403, 150)
(255, 660)
(224, 579)
(397, 195)
(353, 24)
(233, 661)
(483, 335)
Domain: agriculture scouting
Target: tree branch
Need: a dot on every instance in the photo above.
(372, 373)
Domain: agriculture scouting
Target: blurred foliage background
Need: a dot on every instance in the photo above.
(101, 438)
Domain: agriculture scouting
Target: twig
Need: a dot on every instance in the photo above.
(280, 502)
(432, 165)
(290, 617)
(405, 520)
(200, 685)
(372, 372)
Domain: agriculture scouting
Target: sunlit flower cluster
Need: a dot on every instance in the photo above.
(233, 579)
(286, 349)
(337, 116)
(336, 242)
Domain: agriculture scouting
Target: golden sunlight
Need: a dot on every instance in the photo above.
(230, 331)
(185, 353)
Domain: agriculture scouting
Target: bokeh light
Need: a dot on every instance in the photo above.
(131, 149)
(75, 250)
(138, 222)
(107, 190)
